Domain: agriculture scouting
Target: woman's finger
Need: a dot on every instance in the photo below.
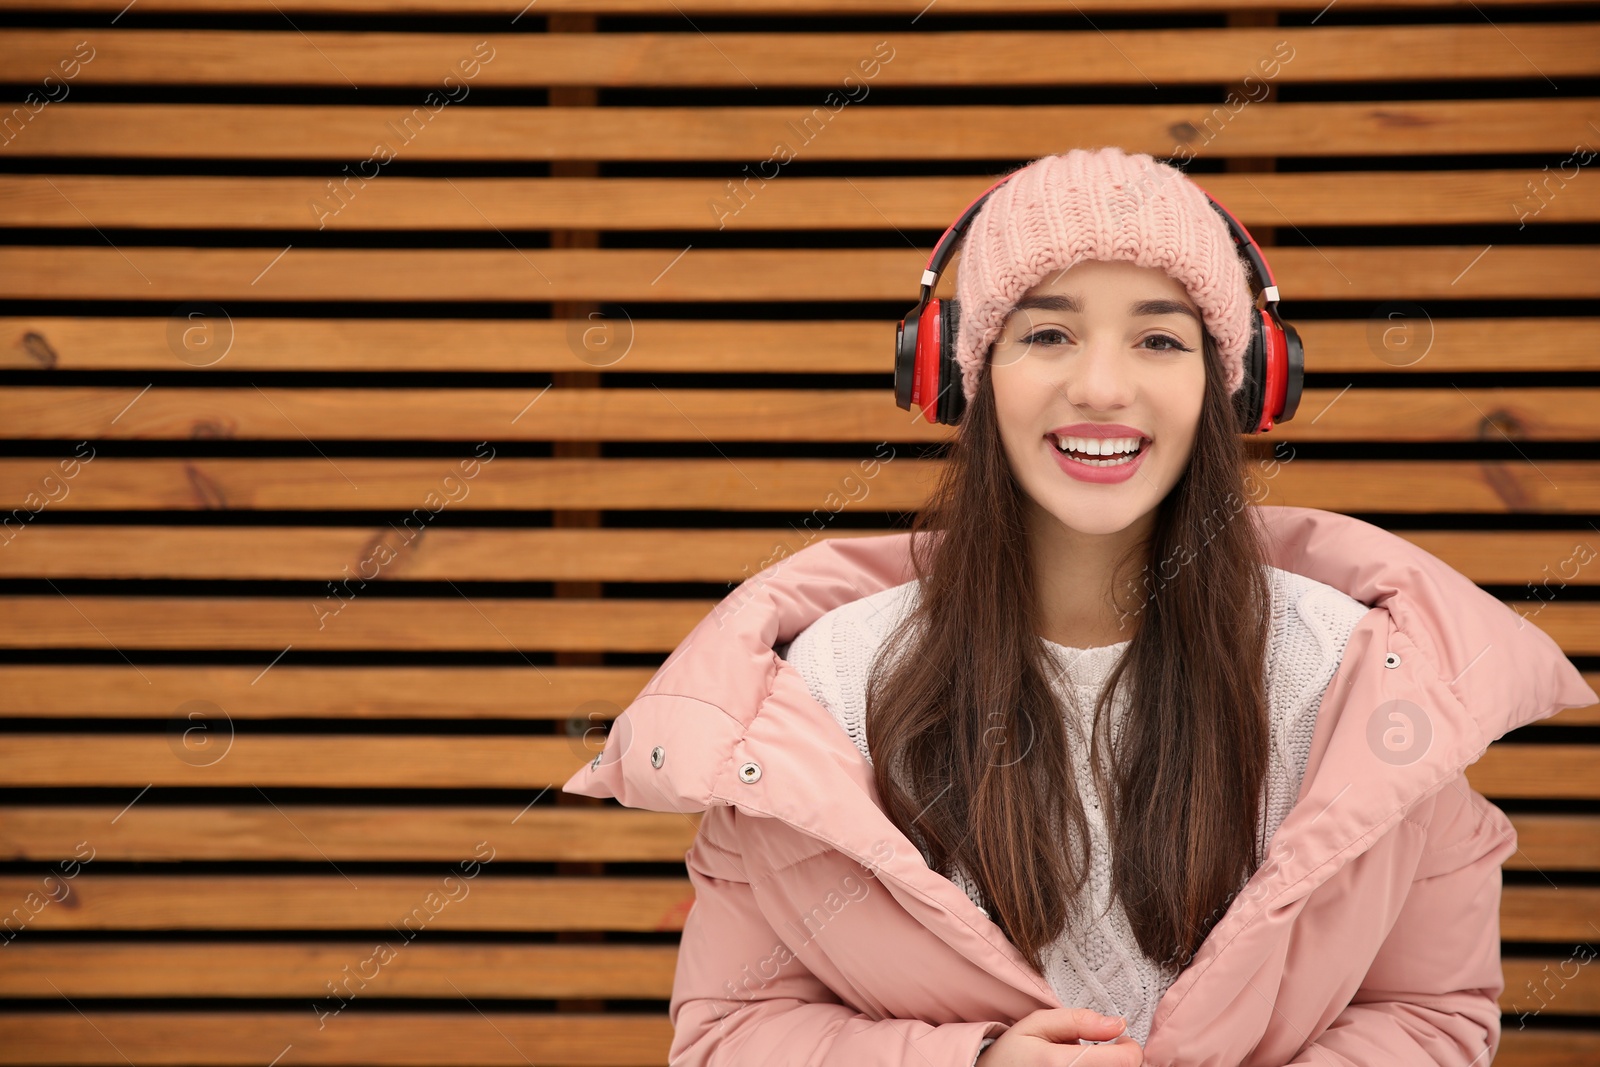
(1123, 1052)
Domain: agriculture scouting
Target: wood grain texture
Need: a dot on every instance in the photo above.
(498, 58)
(1394, 339)
(344, 133)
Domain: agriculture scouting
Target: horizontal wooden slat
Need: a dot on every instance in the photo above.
(822, 487)
(402, 962)
(537, 414)
(981, 132)
(446, 554)
(314, 484)
(1461, 272)
(347, 761)
(506, 903)
(1552, 842)
(1547, 560)
(350, 621)
(1548, 913)
(477, 692)
(218, 757)
(746, 7)
(190, 202)
(512, 903)
(803, 415)
(504, 59)
(593, 694)
(145, 831)
(1537, 771)
(465, 1038)
(1380, 344)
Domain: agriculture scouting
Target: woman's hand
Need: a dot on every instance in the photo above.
(1048, 1038)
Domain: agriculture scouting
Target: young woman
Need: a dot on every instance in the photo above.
(1100, 442)
(1010, 790)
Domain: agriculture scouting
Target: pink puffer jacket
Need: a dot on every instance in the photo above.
(820, 936)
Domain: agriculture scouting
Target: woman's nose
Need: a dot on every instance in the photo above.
(1100, 377)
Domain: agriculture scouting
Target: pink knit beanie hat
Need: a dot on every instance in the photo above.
(1106, 204)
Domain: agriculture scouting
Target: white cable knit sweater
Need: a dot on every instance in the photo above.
(1105, 969)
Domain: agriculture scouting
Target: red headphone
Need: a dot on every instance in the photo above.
(926, 373)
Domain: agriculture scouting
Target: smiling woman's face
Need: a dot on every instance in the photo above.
(1103, 353)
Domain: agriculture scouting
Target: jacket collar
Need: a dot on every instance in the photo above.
(729, 722)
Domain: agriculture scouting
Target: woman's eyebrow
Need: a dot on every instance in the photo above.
(1164, 307)
(1049, 302)
(1065, 303)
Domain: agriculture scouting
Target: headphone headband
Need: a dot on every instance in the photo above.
(953, 233)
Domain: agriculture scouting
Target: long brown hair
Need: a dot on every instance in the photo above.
(969, 742)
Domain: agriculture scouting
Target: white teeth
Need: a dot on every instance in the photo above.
(1097, 446)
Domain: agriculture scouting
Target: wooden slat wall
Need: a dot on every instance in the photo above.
(346, 496)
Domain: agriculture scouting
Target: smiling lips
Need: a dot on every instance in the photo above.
(1100, 453)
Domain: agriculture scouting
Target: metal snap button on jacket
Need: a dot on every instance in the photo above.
(657, 754)
(1391, 660)
(750, 772)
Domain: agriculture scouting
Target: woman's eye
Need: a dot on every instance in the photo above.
(1048, 335)
(1176, 345)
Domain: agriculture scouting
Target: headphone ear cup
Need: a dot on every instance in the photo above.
(905, 358)
(1249, 399)
(1295, 380)
(952, 401)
